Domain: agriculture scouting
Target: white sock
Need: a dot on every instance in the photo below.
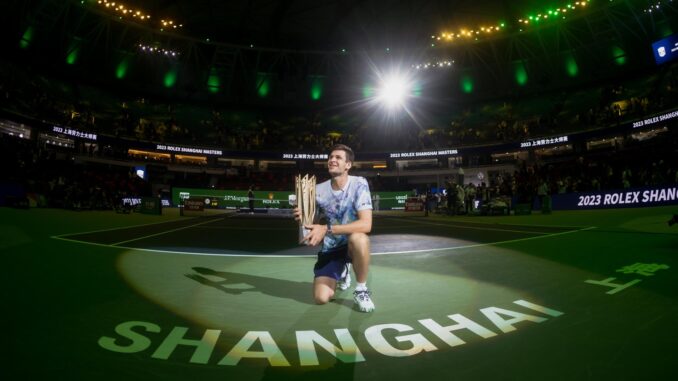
(361, 286)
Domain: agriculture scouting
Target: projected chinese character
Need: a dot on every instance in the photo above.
(646, 269)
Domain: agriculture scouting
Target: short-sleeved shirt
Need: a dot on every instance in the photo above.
(341, 207)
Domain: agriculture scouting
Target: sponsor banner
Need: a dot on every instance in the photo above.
(409, 155)
(233, 199)
(655, 119)
(305, 156)
(545, 141)
(626, 198)
(414, 204)
(74, 133)
(130, 201)
(150, 205)
(389, 200)
(196, 204)
(189, 150)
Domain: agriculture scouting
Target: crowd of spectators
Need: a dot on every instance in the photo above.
(52, 178)
(62, 182)
(637, 165)
(140, 118)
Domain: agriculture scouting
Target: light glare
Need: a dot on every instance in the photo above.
(393, 91)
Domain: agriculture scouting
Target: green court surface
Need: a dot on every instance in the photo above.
(570, 295)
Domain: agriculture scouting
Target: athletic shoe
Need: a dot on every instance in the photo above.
(362, 298)
(345, 282)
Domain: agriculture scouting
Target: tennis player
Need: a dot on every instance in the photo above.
(345, 200)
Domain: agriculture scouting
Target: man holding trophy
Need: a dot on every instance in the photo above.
(347, 205)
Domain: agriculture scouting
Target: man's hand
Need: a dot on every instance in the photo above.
(297, 214)
(315, 235)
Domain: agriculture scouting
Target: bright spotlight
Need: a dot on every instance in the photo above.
(393, 91)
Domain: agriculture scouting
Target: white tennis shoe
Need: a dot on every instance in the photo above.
(362, 298)
(345, 282)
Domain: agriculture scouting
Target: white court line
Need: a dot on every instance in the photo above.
(290, 228)
(504, 224)
(476, 227)
(485, 244)
(314, 255)
(123, 227)
(165, 232)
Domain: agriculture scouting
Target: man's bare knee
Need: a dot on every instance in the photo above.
(358, 239)
(322, 298)
(323, 290)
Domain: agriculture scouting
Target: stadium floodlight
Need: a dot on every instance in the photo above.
(393, 91)
(393, 94)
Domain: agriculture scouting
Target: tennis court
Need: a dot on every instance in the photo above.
(570, 295)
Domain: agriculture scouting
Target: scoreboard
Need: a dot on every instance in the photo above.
(666, 49)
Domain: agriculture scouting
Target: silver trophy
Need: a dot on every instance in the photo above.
(305, 199)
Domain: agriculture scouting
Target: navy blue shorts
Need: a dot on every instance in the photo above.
(333, 263)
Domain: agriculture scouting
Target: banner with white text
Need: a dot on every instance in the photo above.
(625, 198)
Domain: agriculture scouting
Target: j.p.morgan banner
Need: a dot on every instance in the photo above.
(626, 198)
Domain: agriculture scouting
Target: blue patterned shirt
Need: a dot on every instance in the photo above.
(341, 207)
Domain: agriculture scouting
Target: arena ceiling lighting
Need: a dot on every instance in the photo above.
(393, 91)
(392, 95)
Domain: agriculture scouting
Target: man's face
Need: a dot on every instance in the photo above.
(337, 164)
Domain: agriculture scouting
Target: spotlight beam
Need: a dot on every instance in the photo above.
(393, 91)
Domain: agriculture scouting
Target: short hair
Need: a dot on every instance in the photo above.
(350, 156)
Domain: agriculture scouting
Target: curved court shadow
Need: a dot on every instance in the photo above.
(339, 371)
(277, 288)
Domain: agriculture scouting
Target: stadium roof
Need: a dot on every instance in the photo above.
(238, 44)
(331, 24)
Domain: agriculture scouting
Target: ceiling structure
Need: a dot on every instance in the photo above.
(323, 25)
(234, 47)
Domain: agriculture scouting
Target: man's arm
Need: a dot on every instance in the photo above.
(362, 225)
